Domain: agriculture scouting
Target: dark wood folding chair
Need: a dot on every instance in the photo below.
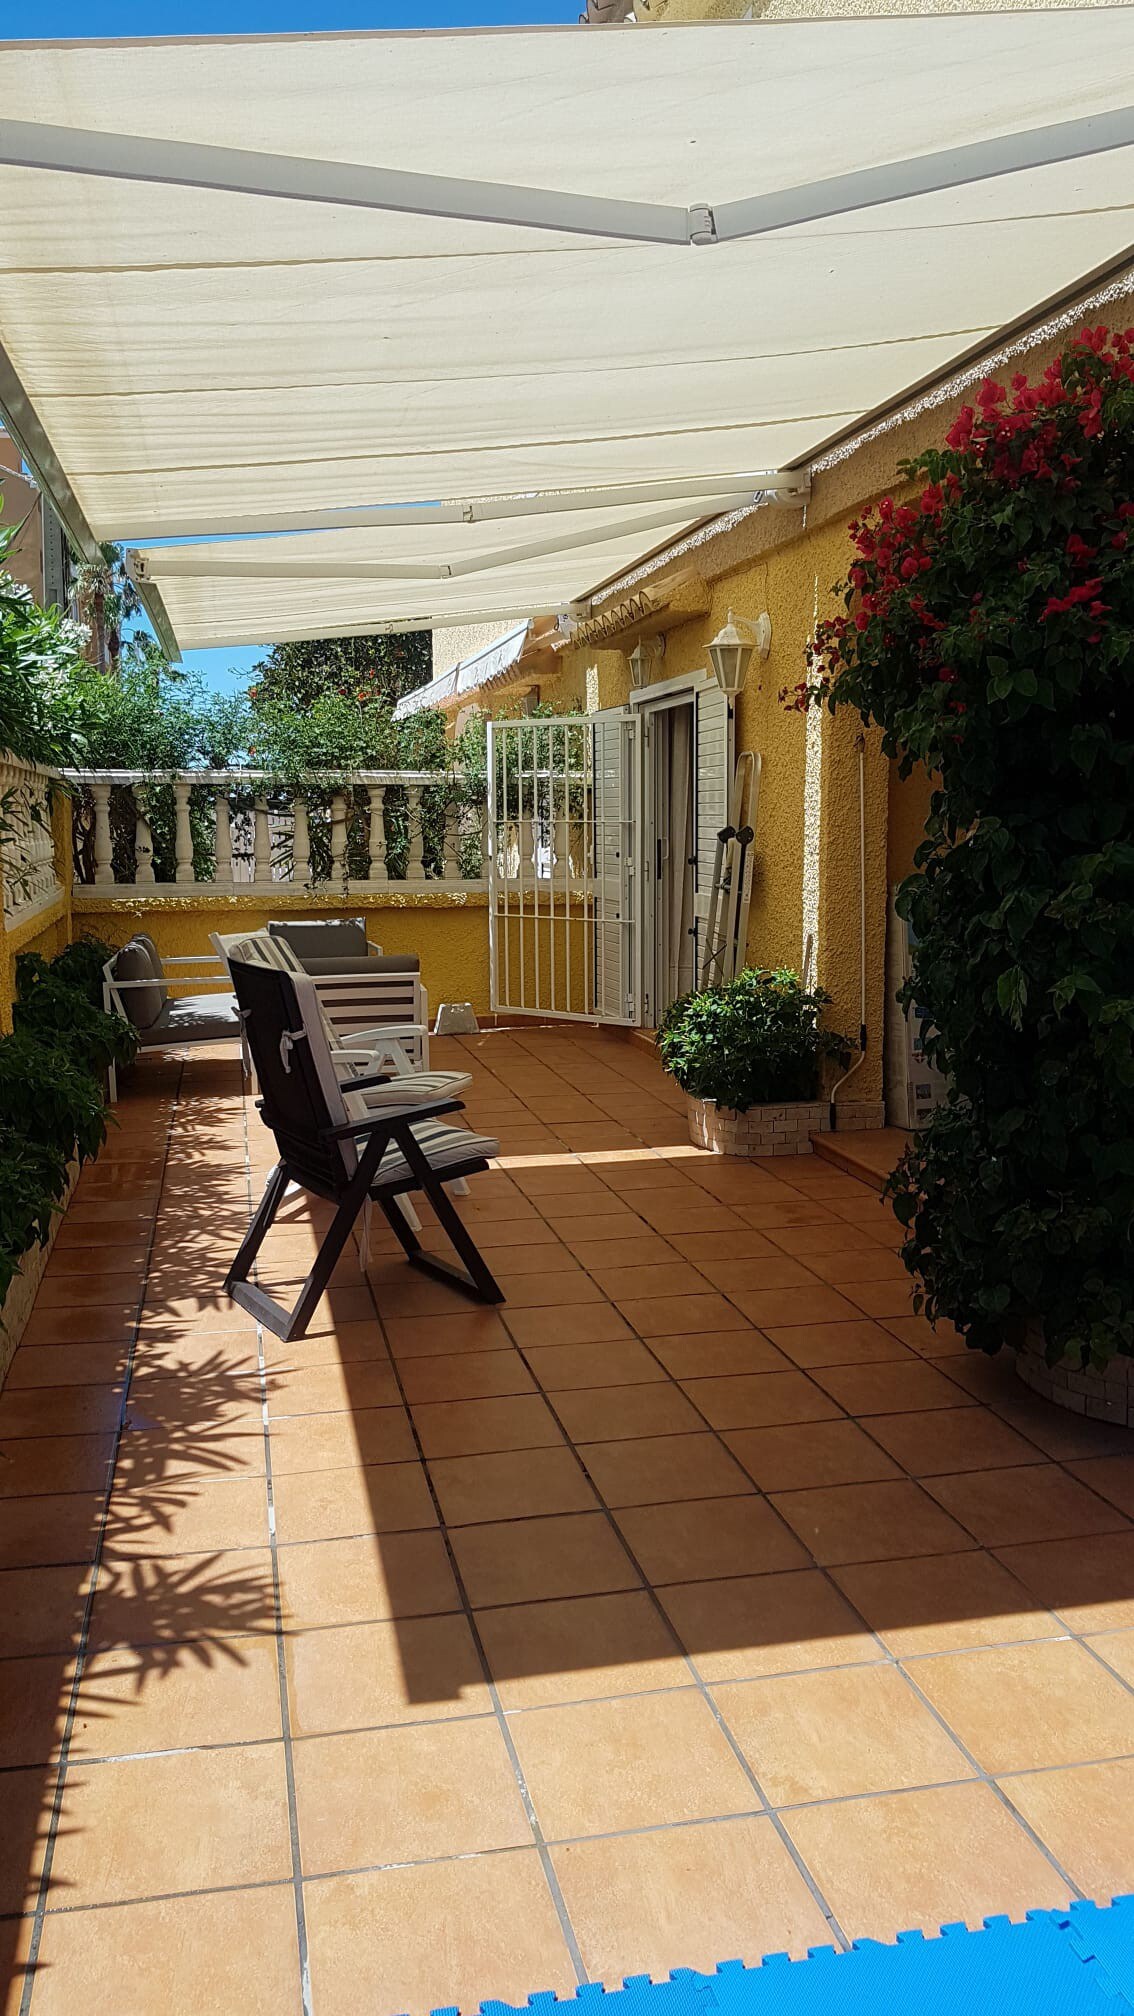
(331, 1147)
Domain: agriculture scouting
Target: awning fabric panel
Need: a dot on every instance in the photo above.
(198, 356)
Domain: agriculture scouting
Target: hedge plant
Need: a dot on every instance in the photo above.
(52, 1073)
(989, 632)
(755, 1041)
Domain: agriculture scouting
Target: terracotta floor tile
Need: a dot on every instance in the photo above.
(511, 1484)
(742, 1244)
(347, 1344)
(332, 1389)
(881, 1299)
(132, 1700)
(1117, 1648)
(749, 1275)
(670, 1315)
(616, 1413)
(477, 1427)
(680, 1897)
(950, 1439)
(424, 1336)
(467, 1375)
(193, 1516)
(579, 1649)
(836, 1733)
(770, 1217)
(248, 1935)
(170, 1603)
(672, 1277)
(622, 1361)
(867, 1262)
(1083, 1816)
(404, 1795)
(436, 1935)
(920, 1860)
(753, 1625)
(70, 1365)
(713, 1354)
(769, 1308)
(27, 1813)
(939, 1340)
(1016, 1706)
(195, 1820)
(652, 1759)
(596, 1323)
(1111, 1476)
(663, 1469)
(588, 1218)
(47, 1529)
(808, 1454)
(551, 1291)
(629, 1249)
(1025, 1503)
(831, 1235)
(421, 1669)
(363, 1580)
(670, 1210)
(704, 1538)
(870, 1522)
(853, 1343)
(527, 1560)
(41, 1609)
(81, 1326)
(54, 1463)
(333, 1441)
(34, 1695)
(362, 1498)
(906, 1388)
(762, 1400)
(944, 1604)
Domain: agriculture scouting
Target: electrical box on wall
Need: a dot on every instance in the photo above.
(914, 1086)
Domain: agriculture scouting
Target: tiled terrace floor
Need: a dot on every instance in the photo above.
(701, 1603)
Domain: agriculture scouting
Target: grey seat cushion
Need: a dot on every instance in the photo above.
(445, 1147)
(143, 939)
(194, 1018)
(335, 938)
(386, 962)
(142, 1005)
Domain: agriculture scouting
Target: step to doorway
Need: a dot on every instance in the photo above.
(868, 1153)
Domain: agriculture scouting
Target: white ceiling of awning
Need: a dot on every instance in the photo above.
(197, 358)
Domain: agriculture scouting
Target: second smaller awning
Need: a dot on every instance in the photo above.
(469, 676)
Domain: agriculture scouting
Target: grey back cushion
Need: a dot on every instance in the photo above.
(337, 938)
(386, 962)
(143, 939)
(142, 1005)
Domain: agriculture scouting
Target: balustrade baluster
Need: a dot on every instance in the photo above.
(261, 842)
(143, 839)
(300, 844)
(223, 842)
(451, 846)
(415, 859)
(379, 872)
(102, 843)
(183, 833)
(338, 840)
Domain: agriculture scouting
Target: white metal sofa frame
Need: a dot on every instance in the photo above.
(394, 1000)
(113, 990)
(345, 1161)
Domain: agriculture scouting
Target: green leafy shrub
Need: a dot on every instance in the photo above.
(52, 1109)
(755, 1041)
(989, 632)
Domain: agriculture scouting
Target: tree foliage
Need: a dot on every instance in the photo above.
(365, 669)
(989, 631)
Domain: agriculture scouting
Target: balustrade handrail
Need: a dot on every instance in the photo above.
(322, 779)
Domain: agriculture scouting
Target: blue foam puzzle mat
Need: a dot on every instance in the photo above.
(1078, 1962)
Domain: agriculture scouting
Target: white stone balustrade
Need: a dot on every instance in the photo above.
(238, 829)
(27, 847)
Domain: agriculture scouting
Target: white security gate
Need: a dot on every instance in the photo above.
(564, 819)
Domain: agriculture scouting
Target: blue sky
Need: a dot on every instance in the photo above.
(86, 19)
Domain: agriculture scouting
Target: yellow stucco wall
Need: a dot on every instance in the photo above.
(447, 930)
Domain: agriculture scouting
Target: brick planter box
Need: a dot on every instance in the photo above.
(763, 1130)
(1102, 1396)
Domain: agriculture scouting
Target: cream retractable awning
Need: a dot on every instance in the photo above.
(248, 285)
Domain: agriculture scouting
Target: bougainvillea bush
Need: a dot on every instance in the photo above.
(989, 632)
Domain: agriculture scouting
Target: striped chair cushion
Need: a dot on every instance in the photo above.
(445, 1147)
(417, 1088)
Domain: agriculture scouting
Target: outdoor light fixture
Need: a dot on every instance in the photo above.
(731, 652)
(647, 653)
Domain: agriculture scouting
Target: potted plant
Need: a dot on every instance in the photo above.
(749, 1056)
(988, 630)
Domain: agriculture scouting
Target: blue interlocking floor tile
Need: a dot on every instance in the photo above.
(1078, 1962)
